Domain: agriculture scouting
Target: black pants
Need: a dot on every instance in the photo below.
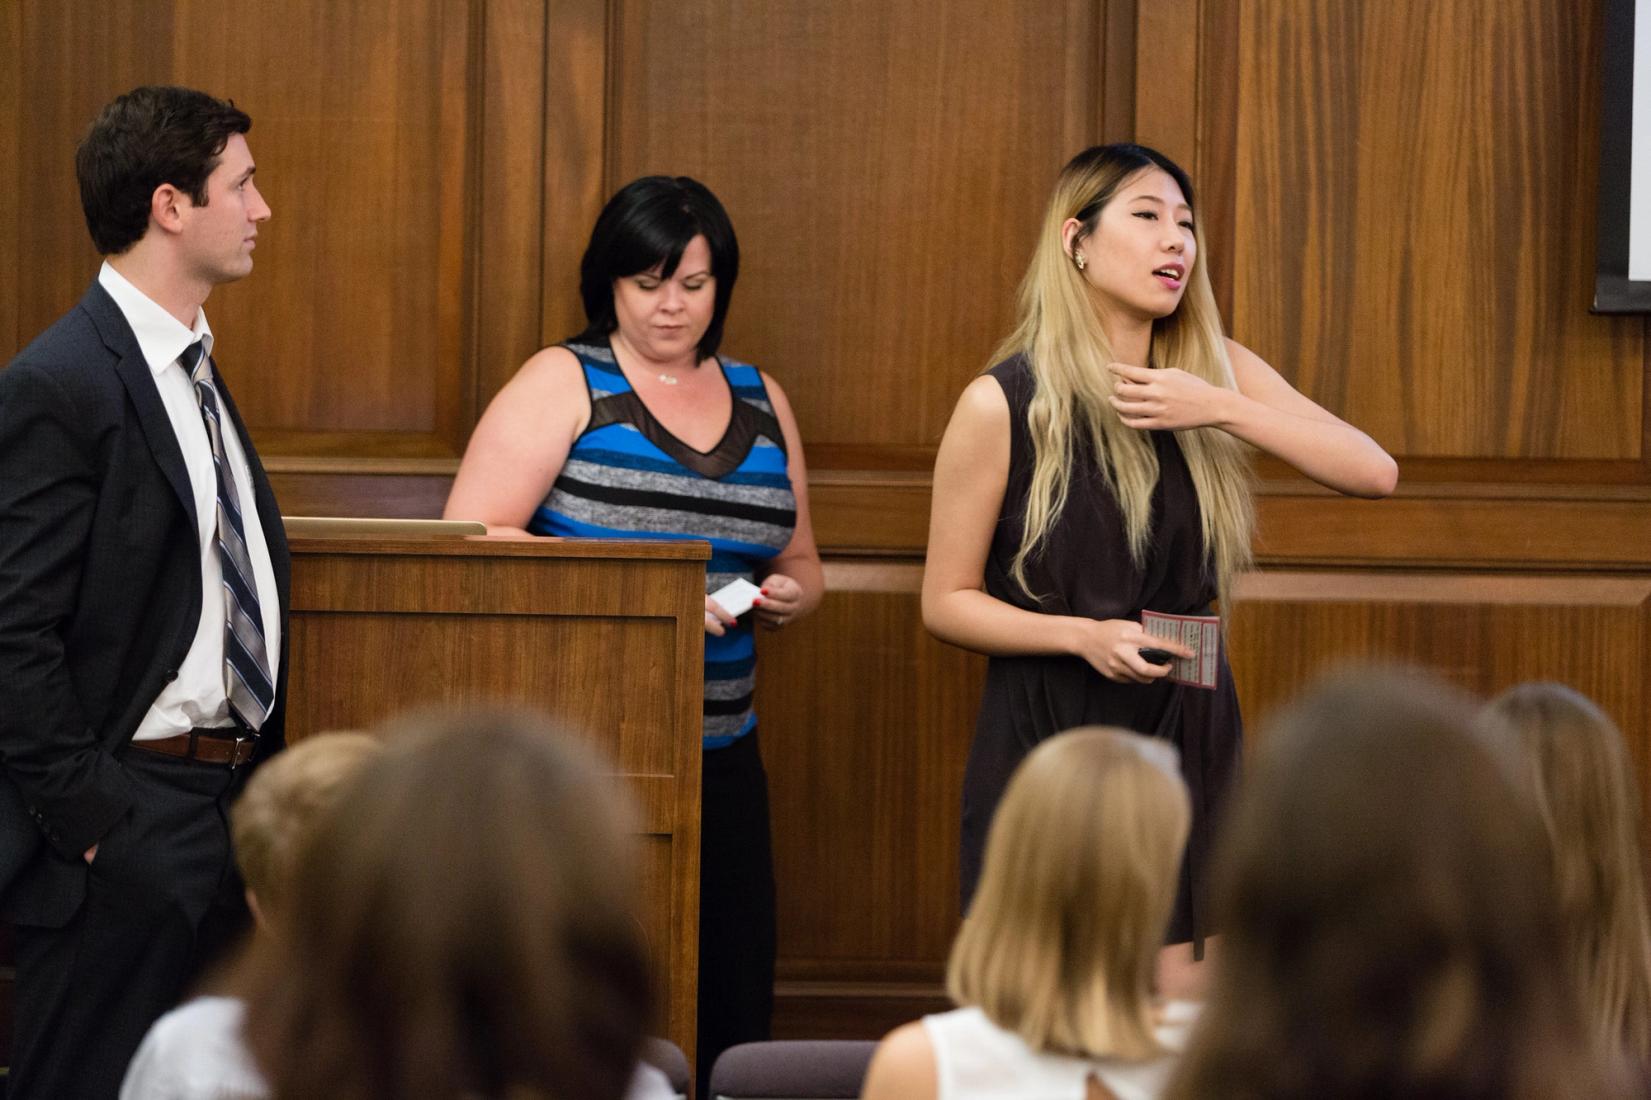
(161, 894)
(736, 904)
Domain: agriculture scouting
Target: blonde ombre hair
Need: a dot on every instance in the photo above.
(1060, 335)
(1570, 757)
(1081, 869)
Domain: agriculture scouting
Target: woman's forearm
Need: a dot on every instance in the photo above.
(1331, 452)
(971, 619)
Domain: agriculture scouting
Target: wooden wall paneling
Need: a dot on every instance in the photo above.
(1484, 633)
(1415, 217)
(509, 191)
(14, 269)
(884, 515)
(886, 205)
(866, 723)
(73, 59)
(358, 309)
(1508, 532)
(416, 490)
(1166, 79)
(1091, 39)
(349, 339)
(1326, 216)
(576, 184)
(1217, 191)
(447, 652)
(1117, 70)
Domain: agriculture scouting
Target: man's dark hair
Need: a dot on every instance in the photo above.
(151, 135)
(650, 221)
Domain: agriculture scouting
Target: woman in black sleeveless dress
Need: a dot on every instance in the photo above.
(1101, 470)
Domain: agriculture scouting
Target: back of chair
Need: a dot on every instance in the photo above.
(818, 1069)
(667, 1058)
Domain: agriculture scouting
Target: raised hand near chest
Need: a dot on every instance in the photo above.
(1167, 399)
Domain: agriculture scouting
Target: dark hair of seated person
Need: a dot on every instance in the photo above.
(151, 135)
(647, 224)
(1390, 927)
(462, 924)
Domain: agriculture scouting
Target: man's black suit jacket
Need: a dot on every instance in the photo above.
(100, 591)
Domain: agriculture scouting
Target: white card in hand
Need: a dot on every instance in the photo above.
(736, 596)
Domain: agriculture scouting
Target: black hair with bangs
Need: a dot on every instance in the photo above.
(649, 223)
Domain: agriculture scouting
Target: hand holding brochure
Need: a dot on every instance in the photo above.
(1199, 633)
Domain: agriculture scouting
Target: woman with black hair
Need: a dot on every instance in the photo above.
(637, 428)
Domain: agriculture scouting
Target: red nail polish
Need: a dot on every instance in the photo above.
(756, 601)
(765, 591)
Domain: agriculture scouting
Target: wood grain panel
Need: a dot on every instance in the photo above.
(576, 185)
(659, 917)
(354, 316)
(1415, 215)
(392, 496)
(507, 196)
(885, 514)
(1166, 86)
(380, 625)
(1216, 165)
(866, 724)
(11, 180)
(1484, 634)
(1512, 532)
(448, 650)
(401, 150)
(885, 201)
(1117, 71)
(74, 59)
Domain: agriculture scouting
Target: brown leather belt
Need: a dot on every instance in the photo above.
(232, 746)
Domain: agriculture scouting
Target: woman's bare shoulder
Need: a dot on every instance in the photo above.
(903, 1067)
(552, 367)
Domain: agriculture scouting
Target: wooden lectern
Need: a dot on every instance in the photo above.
(606, 636)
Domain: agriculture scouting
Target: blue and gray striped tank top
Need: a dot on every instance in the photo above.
(627, 477)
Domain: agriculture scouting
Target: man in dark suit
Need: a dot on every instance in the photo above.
(143, 595)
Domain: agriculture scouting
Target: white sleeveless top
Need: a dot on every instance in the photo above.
(976, 1060)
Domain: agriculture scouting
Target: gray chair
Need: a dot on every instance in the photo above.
(817, 1069)
(667, 1058)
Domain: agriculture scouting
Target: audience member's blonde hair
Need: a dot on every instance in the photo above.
(282, 802)
(1571, 759)
(1387, 915)
(1080, 874)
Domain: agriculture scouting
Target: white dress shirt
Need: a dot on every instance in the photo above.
(197, 696)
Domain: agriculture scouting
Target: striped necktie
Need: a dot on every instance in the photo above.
(246, 663)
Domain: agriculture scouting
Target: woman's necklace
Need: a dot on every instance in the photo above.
(664, 377)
